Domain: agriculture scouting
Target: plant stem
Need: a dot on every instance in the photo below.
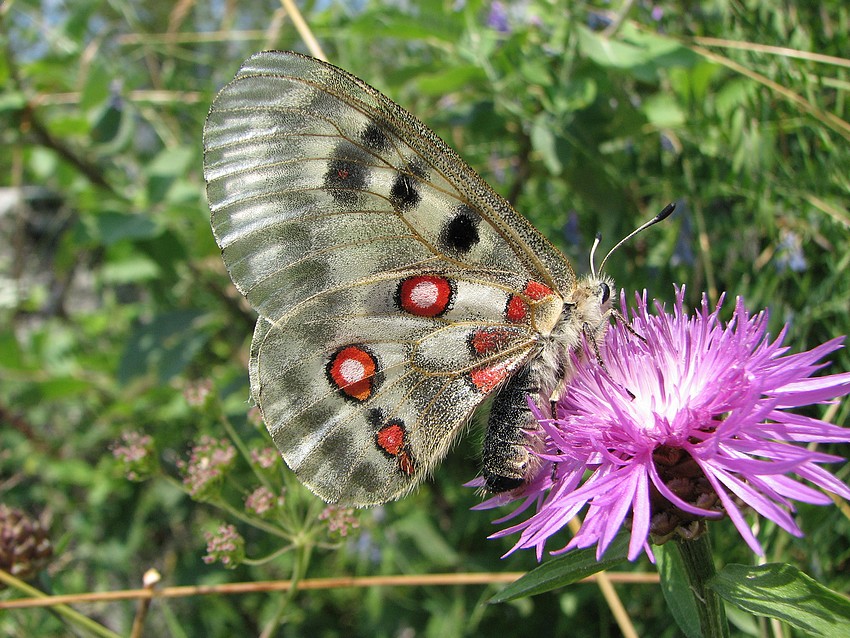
(69, 614)
(699, 568)
(299, 567)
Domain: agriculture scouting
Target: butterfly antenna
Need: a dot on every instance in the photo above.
(593, 253)
(660, 217)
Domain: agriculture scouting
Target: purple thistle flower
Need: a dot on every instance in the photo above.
(685, 424)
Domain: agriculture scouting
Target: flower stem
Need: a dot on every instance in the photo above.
(698, 566)
(299, 568)
(69, 614)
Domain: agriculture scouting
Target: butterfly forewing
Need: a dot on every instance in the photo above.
(395, 288)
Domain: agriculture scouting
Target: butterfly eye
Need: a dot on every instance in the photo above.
(604, 292)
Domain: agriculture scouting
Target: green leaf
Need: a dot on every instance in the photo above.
(536, 72)
(663, 111)
(43, 163)
(166, 168)
(454, 79)
(61, 387)
(429, 24)
(733, 96)
(166, 345)
(576, 94)
(784, 592)
(660, 49)
(642, 54)
(132, 268)
(677, 590)
(12, 100)
(695, 84)
(107, 123)
(607, 52)
(111, 227)
(171, 162)
(12, 356)
(70, 125)
(543, 142)
(563, 570)
(96, 89)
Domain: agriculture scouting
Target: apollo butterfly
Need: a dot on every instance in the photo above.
(395, 289)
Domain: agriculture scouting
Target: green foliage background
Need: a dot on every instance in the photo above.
(114, 301)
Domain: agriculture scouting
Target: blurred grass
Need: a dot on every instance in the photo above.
(114, 301)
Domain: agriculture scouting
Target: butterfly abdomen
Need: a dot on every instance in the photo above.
(506, 456)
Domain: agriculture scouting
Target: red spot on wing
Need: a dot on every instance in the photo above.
(425, 295)
(517, 309)
(487, 378)
(537, 291)
(342, 173)
(488, 340)
(352, 372)
(392, 441)
(391, 438)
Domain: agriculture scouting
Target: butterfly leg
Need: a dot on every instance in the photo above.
(590, 334)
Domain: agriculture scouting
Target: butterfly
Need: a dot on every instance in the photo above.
(396, 290)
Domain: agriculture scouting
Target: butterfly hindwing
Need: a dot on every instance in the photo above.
(395, 289)
(362, 397)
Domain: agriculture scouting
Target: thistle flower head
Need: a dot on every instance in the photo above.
(688, 422)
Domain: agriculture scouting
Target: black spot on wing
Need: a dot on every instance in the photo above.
(460, 233)
(375, 417)
(404, 193)
(347, 172)
(374, 138)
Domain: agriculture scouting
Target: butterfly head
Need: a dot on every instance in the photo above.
(592, 302)
(595, 291)
(590, 307)
(583, 310)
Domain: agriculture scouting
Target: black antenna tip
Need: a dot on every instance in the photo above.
(666, 212)
(598, 236)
